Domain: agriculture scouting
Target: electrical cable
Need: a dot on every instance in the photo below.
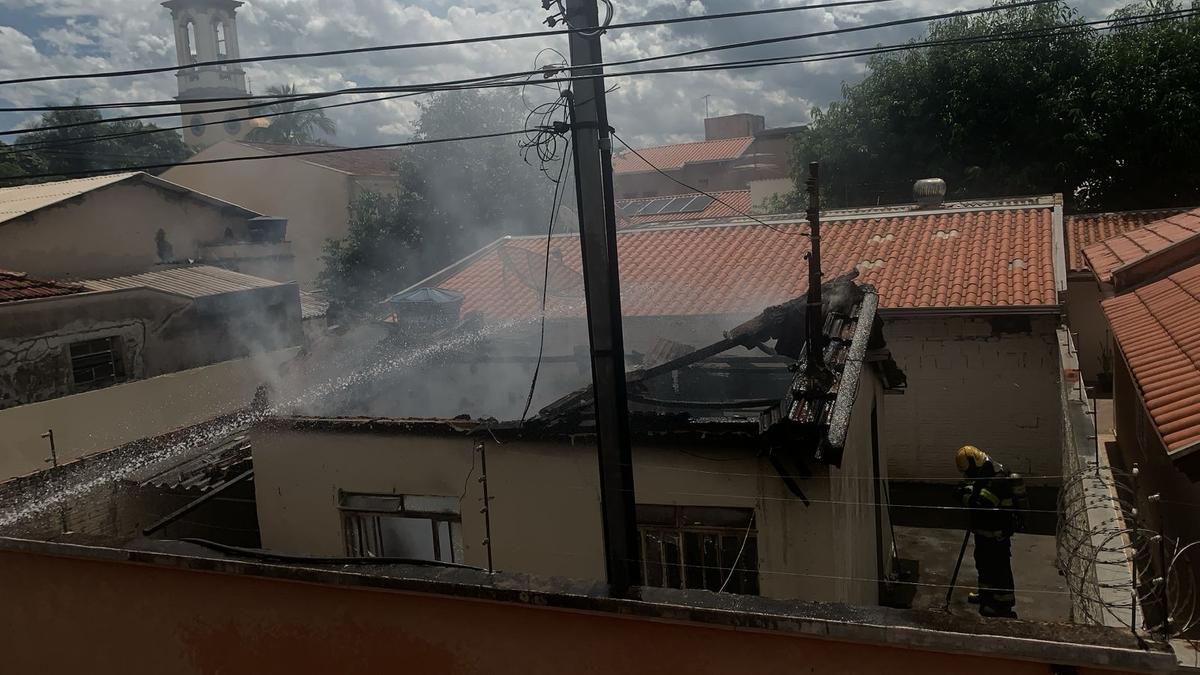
(609, 64)
(707, 194)
(261, 554)
(741, 550)
(437, 43)
(556, 199)
(505, 80)
(302, 153)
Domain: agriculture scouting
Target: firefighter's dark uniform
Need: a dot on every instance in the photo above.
(996, 498)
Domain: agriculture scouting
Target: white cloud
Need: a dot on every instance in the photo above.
(68, 36)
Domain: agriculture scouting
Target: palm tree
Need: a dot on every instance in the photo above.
(293, 122)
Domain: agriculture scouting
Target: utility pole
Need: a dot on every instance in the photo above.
(592, 146)
(814, 322)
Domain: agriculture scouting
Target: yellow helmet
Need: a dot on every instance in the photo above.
(969, 456)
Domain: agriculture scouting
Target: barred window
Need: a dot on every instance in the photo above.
(401, 526)
(699, 547)
(96, 363)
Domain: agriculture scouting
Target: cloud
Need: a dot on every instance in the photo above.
(68, 36)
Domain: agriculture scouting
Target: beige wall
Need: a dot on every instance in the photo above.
(102, 419)
(1087, 322)
(546, 505)
(314, 199)
(110, 232)
(970, 383)
(157, 333)
(156, 619)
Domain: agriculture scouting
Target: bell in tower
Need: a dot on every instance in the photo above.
(206, 33)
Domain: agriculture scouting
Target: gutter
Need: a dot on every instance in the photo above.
(991, 310)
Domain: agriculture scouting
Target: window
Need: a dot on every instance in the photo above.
(96, 363)
(190, 34)
(699, 547)
(219, 30)
(401, 526)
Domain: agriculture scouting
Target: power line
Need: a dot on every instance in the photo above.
(707, 194)
(625, 62)
(508, 79)
(302, 153)
(735, 65)
(437, 43)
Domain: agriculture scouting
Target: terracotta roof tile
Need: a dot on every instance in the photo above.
(984, 258)
(1085, 229)
(738, 199)
(18, 286)
(668, 157)
(1158, 330)
(357, 162)
(1140, 243)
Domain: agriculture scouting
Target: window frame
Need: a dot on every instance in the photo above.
(362, 514)
(115, 363)
(689, 530)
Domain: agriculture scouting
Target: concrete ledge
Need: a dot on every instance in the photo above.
(1058, 644)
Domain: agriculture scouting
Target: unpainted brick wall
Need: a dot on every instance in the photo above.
(989, 382)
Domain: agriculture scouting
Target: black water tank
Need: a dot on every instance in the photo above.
(426, 309)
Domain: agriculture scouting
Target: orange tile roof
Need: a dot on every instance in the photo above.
(668, 157)
(1158, 330)
(975, 258)
(1140, 244)
(738, 199)
(1084, 229)
(19, 286)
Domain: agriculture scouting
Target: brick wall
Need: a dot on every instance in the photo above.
(990, 381)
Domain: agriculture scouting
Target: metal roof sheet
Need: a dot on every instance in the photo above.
(190, 282)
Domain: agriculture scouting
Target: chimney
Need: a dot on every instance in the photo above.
(738, 125)
(929, 192)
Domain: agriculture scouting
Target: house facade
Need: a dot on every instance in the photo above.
(64, 339)
(128, 223)
(313, 192)
(970, 295)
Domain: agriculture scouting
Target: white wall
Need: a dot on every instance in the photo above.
(969, 383)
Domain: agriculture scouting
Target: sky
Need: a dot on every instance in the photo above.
(70, 36)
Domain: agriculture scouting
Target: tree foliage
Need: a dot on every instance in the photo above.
(449, 200)
(297, 124)
(1107, 118)
(123, 143)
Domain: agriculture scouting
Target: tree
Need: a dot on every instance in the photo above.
(1003, 117)
(380, 253)
(123, 143)
(297, 124)
(450, 199)
(15, 162)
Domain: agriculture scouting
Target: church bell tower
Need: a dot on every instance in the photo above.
(206, 31)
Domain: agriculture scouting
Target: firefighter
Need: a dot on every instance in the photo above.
(997, 499)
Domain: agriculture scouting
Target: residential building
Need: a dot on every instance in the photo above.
(737, 151)
(313, 192)
(1084, 292)
(1125, 260)
(970, 295)
(61, 339)
(128, 223)
(206, 32)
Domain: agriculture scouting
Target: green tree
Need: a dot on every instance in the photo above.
(450, 199)
(298, 124)
(380, 252)
(1146, 112)
(121, 144)
(15, 162)
(1110, 119)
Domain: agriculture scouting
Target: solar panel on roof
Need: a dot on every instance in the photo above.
(678, 204)
(628, 207)
(654, 206)
(699, 203)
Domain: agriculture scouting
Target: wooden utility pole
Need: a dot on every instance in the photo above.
(602, 288)
(814, 321)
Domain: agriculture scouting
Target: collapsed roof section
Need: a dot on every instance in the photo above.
(810, 420)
